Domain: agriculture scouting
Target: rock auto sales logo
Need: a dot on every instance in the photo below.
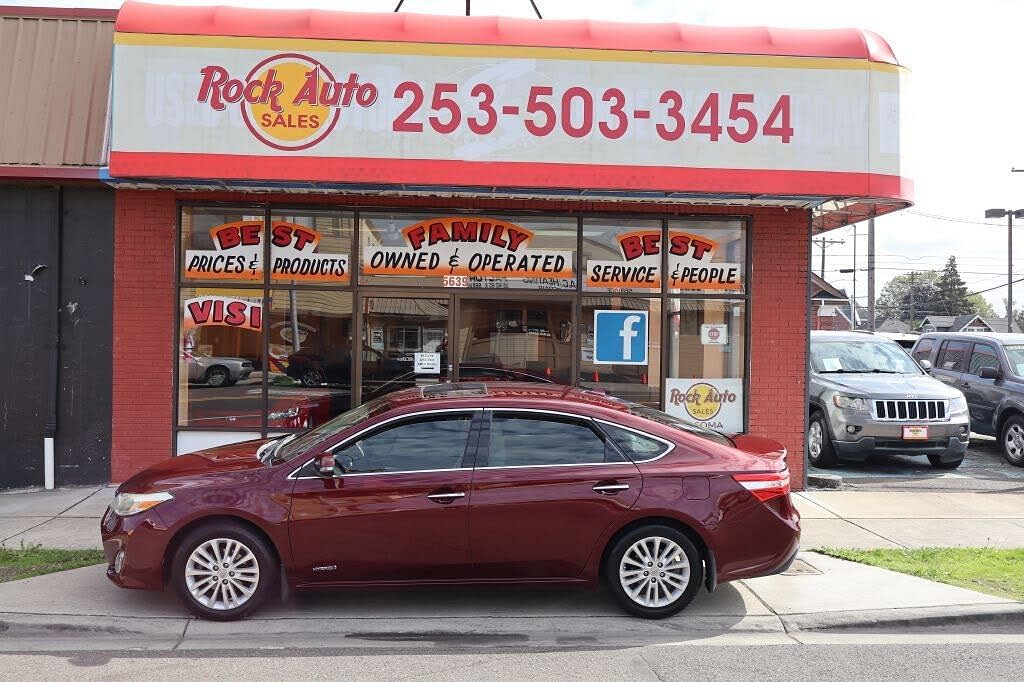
(289, 101)
(702, 401)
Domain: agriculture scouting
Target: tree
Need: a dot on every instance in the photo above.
(981, 306)
(952, 292)
(912, 294)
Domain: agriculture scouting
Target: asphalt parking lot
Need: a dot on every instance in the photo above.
(983, 469)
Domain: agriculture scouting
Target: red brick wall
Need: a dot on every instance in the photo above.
(144, 310)
(145, 306)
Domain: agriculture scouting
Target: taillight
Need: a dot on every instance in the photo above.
(765, 486)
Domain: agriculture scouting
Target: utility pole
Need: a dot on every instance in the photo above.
(853, 313)
(824, 243)
(913, 275)
(871, 271)
(1010, 214)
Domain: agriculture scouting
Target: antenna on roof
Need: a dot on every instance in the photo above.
(532, 4)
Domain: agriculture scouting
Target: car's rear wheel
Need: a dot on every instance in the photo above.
(223, 571)
(937, 462)
(820, 451)
(1012, 439)
(217, 376)
(654, 571)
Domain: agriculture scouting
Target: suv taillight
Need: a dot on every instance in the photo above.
(765, 486)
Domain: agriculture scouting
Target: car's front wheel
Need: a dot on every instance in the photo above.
(654, 571)
(223, 571)
(1012, 439)
(820, 451)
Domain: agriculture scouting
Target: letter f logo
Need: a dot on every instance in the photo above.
(628, 334)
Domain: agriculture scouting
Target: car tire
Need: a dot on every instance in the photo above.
(820, 451)
(218, 376)
(937, 462)
(312, 377)
(1011, 439)
(642, 593)
(216, 592)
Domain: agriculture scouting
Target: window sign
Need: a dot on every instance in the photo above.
(691, 268)
(622, 256)
(715, 404)
(237, 253)
(296, 256)
(226, 311)
(427, 363)
(620, 337)
(712, 334)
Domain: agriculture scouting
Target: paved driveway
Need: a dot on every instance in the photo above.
(984, 469)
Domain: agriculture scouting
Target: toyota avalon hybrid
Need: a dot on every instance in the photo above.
(461, 483)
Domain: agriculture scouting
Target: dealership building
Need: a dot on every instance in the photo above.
(309, 209)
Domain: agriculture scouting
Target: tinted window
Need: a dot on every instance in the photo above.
(983, 356)
(436, 442)
(953, 355)
(525, 440)
(637, 447)
(923, 350)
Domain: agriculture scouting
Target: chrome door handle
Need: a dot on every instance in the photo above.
(609, 488)
(445, 498)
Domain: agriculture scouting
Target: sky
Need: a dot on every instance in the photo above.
(966, 104)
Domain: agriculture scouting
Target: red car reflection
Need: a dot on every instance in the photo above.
(461, 483)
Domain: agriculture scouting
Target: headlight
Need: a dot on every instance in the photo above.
(126, 504)
(957, 405)
(848, 403)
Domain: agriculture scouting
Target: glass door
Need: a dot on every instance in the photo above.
(503, 338)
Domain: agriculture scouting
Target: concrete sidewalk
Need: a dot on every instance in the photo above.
(81, 610)
(69, 518)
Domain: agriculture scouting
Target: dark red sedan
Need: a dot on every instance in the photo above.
(461, 483)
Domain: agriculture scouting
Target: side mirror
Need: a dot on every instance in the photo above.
(325, 465)
(926, 365)
(989, 373)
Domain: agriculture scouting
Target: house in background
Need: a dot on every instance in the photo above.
(965, 323)
(893, 326)
(830, 306)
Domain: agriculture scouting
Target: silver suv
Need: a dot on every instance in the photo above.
(867, 395)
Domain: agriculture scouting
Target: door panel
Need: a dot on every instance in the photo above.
(532, 520)
(951, 362)
(982, 394)
(397, 507)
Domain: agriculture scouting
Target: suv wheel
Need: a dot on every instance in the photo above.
(1013, 440)
(937, 462)
(223, 571)
(820, 452)
(654, 571)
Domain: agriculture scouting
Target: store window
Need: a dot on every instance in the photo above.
(468, 251)
(309, 367)
(707, 256)
(622, 256)
(311, 247)
(706, 362)
(395, 329)
(639, 383)
(222, 244)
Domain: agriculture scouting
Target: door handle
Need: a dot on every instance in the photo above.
(445, 498)
(610, 488)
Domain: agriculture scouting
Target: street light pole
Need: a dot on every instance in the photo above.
(1009, 214)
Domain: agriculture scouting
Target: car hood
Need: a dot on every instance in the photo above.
(893, 386)
(215, 466)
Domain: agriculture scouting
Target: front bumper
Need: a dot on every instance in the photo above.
(143, 539)
(944, 440)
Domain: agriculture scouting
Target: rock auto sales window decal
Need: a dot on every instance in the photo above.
(238, 252)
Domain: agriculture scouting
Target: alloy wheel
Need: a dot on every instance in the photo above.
(814, 438)
(654, 572)
(1014, 444)
(222, 574)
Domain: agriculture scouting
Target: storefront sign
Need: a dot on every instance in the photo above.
(620, 337)
(427, 363)
(712, 334)
(223, 311)
(690, 260)
(238, 253)
(473, 247)
(715, 404)
(307, 109)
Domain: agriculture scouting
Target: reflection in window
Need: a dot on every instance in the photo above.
(432, 443)
(638, 383)
(519, 440)
(220, 350)
(533, 337)
(394, 330)
(310, 357)
(222, 244)
(311, 247)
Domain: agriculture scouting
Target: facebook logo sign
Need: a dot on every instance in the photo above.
(620, 337)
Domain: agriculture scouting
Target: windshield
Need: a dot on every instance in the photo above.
(676, 423)
(860, 357)
(321, 434)
(1015, 354)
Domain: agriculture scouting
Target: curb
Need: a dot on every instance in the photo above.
(927, 616)
(827, 481)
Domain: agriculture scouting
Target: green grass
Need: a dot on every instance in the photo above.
(16, 564)
(999, 572)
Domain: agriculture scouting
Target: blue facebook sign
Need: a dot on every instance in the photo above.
(620, 337)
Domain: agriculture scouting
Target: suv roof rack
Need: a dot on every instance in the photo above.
(455, 390)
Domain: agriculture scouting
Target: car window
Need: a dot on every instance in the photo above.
(923, 350)
(860, 355)
(636, 446)
(419, 444)
(518, 439)
(953, 356)
(1015, 356)
(983, 355)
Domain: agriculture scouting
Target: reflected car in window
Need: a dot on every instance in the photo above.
(216, 371)
(467, 483)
